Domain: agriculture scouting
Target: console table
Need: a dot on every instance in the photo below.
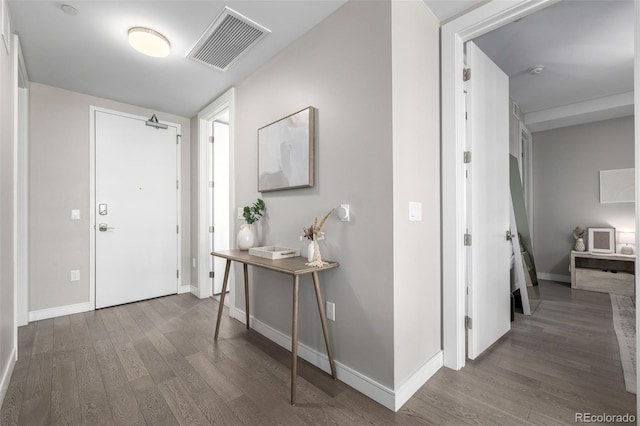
(294, 266)
(603, 272)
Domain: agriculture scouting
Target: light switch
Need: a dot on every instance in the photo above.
(240, 213)
(75, 275)
(75, 214)
(415, 211)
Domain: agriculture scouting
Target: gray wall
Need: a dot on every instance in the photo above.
(416, 177)
(8, 327)
(566, 165)
(59, 182)
(342, 67)
(375, 150)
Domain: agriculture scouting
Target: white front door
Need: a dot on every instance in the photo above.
(136, 209)
(488, 303)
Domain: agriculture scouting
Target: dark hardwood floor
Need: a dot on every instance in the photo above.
(156, 363)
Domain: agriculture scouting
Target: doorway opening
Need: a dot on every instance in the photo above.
(454, 34)
(215, 195)
(221, 235)
(21, 167)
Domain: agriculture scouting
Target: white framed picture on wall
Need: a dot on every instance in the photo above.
(602, 240)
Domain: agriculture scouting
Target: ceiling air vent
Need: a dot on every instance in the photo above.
(228, 37)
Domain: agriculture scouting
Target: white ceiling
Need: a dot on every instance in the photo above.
(587, 49)
(89, 52)
(585, 45)
(446, 10)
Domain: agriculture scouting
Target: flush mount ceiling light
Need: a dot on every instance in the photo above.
(69, 10)
(536, 70)
(149, 42)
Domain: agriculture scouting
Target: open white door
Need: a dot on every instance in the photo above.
(136, 211)
(221, 217)
(488, 303)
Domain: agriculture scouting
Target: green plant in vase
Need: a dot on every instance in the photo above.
(251, 214)
(254, 212)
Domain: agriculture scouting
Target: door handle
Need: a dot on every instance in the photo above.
(509, 235)
(103, 227)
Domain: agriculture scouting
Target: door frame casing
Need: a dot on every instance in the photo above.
(92, 197)
(21, 187)
(453, 36)
(636, 118)
(226, 101)
(527, 172)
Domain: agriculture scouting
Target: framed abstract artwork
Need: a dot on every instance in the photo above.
(617, 186)
(286, 152)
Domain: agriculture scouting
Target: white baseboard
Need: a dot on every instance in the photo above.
(554, 277)
(417, 379)
(7, 371)
(60, 311)
(194, 290)
(381, 394)
(185, 288)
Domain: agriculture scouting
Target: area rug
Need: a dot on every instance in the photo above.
(624, 322)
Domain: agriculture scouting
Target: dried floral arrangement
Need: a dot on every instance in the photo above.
(578, 232)
(314, 233)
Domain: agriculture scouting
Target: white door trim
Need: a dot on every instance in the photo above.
(205, 117)
(21, 174)
(453, 36)
(527, 172)
(92, 197)
(636, 99)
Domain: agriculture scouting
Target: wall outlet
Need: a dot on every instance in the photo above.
(331, 311)
(75, 214)
(75, 275)
(240, 213)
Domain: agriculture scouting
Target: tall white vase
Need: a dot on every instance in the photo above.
(246, 238)
(310, 251)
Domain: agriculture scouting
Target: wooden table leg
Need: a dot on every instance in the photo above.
(323, 320)
(246, 291)
(224, 292)
(294, 339)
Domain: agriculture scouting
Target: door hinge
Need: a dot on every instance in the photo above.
(210, 139)
(211, 229)
(467, 157)
(468, 325)
(210, 184)
(211, 274)
(178, 139)
(177, 184)
(466, 74)
(467, 239)
(177, 229)
(177, 273)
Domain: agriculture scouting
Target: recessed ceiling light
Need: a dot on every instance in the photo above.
(149, 42)
(69, 10)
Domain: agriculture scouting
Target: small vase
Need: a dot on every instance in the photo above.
(310, 251)
(579, 245)
(246, 238)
